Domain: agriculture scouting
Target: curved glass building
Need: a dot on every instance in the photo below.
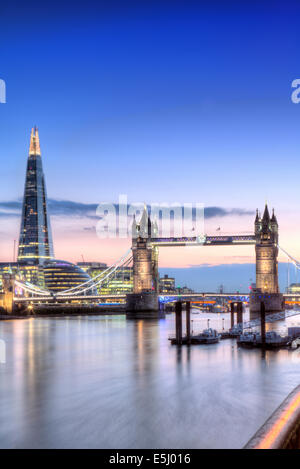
(62, 275)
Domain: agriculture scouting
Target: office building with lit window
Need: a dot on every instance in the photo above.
(166, 284)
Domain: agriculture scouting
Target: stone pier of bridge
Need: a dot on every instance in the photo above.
(7, 297)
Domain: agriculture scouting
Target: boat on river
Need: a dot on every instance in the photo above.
(233, 333)
(254, 339)
(208, 336)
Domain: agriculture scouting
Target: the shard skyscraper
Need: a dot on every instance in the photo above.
(35, 244)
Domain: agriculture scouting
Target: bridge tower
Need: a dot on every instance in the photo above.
(142, 254)
(266, 235)
(266, 250)
(155, 274)
(7, 297)
(143, 302)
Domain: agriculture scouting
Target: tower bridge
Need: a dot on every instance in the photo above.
(145, 250)
(144, 256)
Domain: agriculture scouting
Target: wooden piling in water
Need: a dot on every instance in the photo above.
(188, 322)
(178, 317)
(232, 314)
(263, 323)
(240, 312)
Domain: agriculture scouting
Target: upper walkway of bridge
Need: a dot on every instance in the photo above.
(218, 240)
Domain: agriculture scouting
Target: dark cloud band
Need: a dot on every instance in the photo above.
(70, 208)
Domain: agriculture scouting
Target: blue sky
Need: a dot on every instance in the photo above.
(233, 277)
(163, 101)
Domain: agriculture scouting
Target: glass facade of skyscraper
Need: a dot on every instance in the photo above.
(35, 244)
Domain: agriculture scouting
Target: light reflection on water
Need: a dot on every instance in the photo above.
(104, 382)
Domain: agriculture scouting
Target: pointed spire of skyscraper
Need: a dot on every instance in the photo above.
(34, 148)
(31, 146)
(266, 216)
(37, 142)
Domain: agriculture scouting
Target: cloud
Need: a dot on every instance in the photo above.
(10, 209)
(73, 209)
(11, 205)
(69, 208)
(56, 208)
(213, 212)
(9, 214)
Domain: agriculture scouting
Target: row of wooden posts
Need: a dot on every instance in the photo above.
(238, 305)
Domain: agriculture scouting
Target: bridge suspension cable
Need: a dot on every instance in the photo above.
(34, 289)
(96, 284)
(294, 261)
(93, 282)
(124, 265)
(83, 287)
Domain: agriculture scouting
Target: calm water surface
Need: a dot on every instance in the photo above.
(104, 382)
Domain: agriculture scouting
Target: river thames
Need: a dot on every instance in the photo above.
(108, 382)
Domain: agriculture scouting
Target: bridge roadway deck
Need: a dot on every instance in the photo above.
(171, 297)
